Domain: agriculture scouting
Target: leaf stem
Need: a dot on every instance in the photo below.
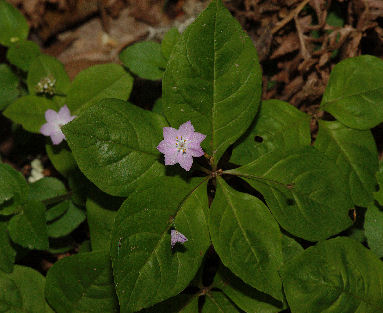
(56, 199)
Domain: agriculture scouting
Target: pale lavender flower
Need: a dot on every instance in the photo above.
(181, 145)
(54, 122)
(176, 236)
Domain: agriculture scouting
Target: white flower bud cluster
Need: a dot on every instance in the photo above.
(46, 86)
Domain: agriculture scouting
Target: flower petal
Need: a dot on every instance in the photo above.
(186, 129)
(171, 158)
(176, 236)
(185, 160)
(197, 138)
(52, 116)
(57, 137)
(195, 150)
(47, 129)
(166, 147)
(170, 133)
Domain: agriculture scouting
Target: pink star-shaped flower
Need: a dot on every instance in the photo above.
(176, 236)
(54, 122)
(181, 145)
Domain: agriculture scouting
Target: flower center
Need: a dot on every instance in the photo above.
(181, 145)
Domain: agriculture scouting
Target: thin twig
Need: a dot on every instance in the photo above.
(289, 17)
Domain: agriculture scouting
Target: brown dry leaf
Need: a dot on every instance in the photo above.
(287, 44)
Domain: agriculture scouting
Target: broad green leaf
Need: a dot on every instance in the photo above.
(216, 301)
(61, 158)
(213, 79)
(278, 125)
(107, 81)
(304, 190)
(356, 156)
(8, 86)
(13, 26)
(22, 53)
(66, 223)
(82, 283)
(337, 276)
(85, 247)
(290, 248)
(22, 291)
(144, 59)
(114, 144)
(13, 189)
(45, 66)
(46, 188)
(179, 304)
(379, 177)
(251, 252)
(56, 211)
(100, 216)
(28, 228)
(7, 253)
(146, 269)
(29, 111)
(169, 41)
(373, 226)
(158, 106)
(354, 94)
(244, 296)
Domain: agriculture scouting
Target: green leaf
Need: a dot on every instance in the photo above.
(179, 304)
(213, 79)
(114, 144)
(251, 252)
(13, 26)
(45, 66)
(7, 253)
(29, 111)
(373, 226)
(82, 283)
(158, 106)
(379, 177)
(146, 269)
(356, 156)
(304, 190)
(28, 228)
(354, 94)
(244, 296)
(9, 83)
(22, 291)
(290, 248)
(101, 216)
(66, 223)
(22, 53)
(56, 211)
(216, 301)
(337, 276)
(61, 158)
(169, 41)
(278, 125)
(144, 59)
(46, 188)
(107, 81)
(13, 189)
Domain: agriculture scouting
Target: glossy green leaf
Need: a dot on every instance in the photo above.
(8, 86)
(13, 189)
(146, 269)
(304, 190)
(144, 59)
(213, 79)
(373, 226)
(107, 81)
(290, 248)
(278, 125)
(61, 158)
(216, 301)
(356, 156)
(28, 228)
(13, 25)
(251, 252)
(354, 94)
(46, 188)
(66, 223)
(29, 111)
(22, 53)
(7, 253)
(46, 66)
(114, 144)
(179, 304)
(22, 291)
(337, 276)
(244, 296)
(56, 211)
(82, 283)
(169, 41)
(100, 216)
